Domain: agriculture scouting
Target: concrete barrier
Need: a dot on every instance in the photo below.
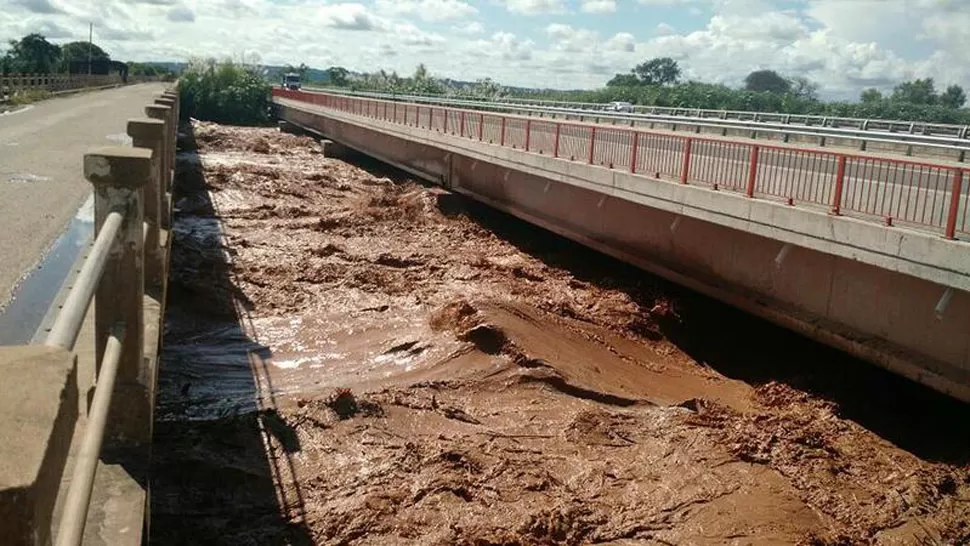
(38, 401)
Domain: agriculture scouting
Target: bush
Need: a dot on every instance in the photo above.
(224, 92)
(27, 97)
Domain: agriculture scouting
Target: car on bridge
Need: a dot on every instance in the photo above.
(619, 106)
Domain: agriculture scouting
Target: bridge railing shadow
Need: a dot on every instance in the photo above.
(222, 471)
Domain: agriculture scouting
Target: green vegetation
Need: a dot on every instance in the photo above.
(27, 97)
(659, 71)
(225, 92)
(150, 70)
(657, 82)
(77, 52)
(32, 54)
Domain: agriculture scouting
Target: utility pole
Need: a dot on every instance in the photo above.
(90, 45)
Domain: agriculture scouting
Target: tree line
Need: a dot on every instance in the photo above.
(666, 71)
(34, 54)
(657, 82)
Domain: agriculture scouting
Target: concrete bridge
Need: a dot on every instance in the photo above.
(78, 403)
(864, 252)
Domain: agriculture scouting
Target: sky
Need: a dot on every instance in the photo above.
(843, 45)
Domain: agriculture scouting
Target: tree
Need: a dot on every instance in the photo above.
(953, 97)
(486, 88)
(225, 92)
(338, 75)
(302, 70)
(871, 96)
(423, 82)
(658, 71)
(33, 54)
(766, 81)
(624, 80)
(78, 52)
(916, 92)
(803, 88)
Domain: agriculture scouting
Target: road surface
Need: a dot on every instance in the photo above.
(41, 183)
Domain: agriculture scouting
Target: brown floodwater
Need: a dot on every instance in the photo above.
(353, 357)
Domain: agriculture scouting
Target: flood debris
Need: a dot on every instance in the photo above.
(434, 378)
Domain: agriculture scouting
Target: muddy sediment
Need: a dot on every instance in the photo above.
(352, 357)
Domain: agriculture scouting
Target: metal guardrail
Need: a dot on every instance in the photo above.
(812, 120)
(956, 148)
(132, 205)
(920, 194)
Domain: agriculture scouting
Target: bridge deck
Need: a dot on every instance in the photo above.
(879, 187)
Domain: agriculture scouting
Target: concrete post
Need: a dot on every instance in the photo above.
(119, 176)
(173, 94)
(173, 121)
(164, 114)
(150, 134)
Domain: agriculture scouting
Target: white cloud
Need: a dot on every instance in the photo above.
(473, 27)
(567, 38)
(506, 46)
(598, 6)
(536, 7)
(181, 14)
(428, 10)
(38, 6)
(409, 34)
(622, 41)
(349, 17)
(844, 45)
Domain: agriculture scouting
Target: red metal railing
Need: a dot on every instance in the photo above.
(895, 190)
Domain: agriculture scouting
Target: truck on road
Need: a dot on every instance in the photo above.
(291, 81)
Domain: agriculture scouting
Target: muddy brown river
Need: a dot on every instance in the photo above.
(354, 357)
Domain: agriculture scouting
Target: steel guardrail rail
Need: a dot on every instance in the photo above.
(960, 146)
(922, 194)
(863, 124)
(78, 501)
(68, 322)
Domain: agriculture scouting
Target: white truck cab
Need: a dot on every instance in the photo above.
(291, 81)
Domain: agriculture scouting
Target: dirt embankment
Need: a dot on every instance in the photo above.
(413, 378)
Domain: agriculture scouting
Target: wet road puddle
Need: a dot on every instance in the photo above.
(32, 298)
(26, 178)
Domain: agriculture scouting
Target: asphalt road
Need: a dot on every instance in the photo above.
(41, 182)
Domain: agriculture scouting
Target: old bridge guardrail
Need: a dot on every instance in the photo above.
(13, 84)
(128, 259)
(809, 120)
(895, 191)
(780, 126)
